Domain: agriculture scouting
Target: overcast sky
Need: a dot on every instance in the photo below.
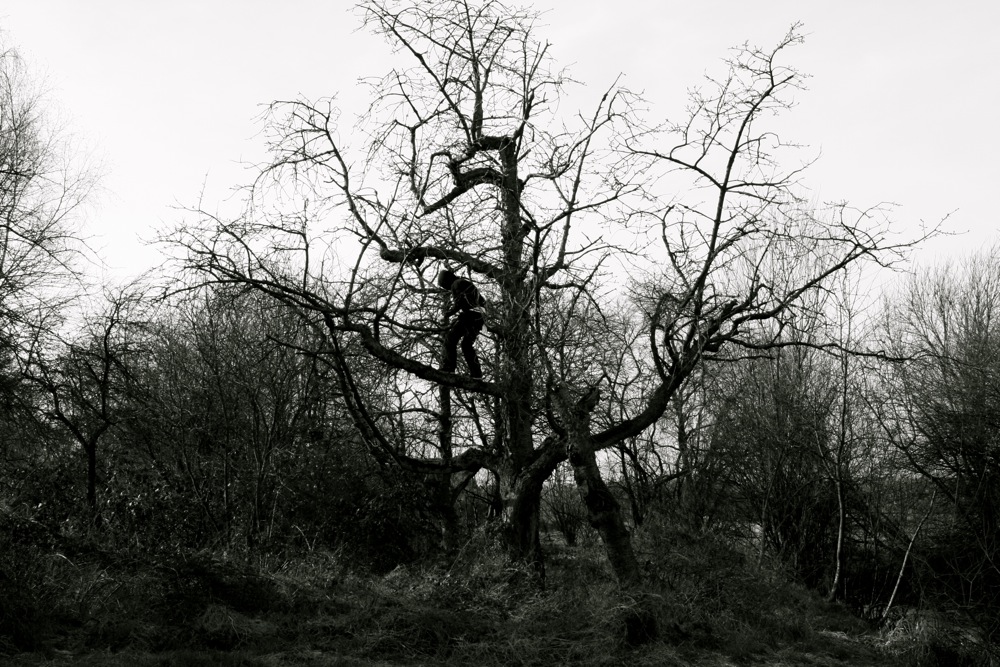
(901, 106)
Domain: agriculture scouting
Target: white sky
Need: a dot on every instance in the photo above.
(901, 106)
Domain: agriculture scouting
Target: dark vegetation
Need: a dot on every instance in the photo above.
(253, 456)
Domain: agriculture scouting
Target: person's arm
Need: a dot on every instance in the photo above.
(453, 300)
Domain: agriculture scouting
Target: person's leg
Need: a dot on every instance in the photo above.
(473, 324)
(450, 360)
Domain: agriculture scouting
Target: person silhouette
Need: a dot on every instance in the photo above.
(467, 303)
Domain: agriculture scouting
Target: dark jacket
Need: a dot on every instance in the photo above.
(465, 296)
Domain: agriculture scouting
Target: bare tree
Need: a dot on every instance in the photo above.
(466, 163)
(39, 193)
(84, 380)
(228, 403)
(940, 410)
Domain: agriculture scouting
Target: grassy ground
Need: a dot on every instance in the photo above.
(702, 606)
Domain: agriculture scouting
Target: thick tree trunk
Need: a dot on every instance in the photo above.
(520, 479)
(603, 510)
(522, 504)
(605, 516)
(448, 517)
(521, 496)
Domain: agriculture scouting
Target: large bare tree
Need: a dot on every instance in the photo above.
(466, 160)
(42, 190)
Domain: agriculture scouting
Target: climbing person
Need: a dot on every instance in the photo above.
(468, 304)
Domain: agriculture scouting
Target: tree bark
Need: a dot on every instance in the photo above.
(605, 516)
(521, 496)
(603, 510)
(522, 503)
(522, 488)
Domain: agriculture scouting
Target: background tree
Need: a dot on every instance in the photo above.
(941, 413)
(85, 384)
(42, 189)
(39, 193)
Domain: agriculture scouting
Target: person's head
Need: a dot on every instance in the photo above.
(446, 278)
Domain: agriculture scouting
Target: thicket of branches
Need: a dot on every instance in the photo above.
(290, 396)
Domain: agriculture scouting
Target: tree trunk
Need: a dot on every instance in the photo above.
(906, 557)
(521, 521)
(521, 497)
(95, 515)
(605, 515)
(447, 516)
(442, 487)
(839, 554)
(521, 478)
(603, 509)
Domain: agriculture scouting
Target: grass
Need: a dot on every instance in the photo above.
(703, 605)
